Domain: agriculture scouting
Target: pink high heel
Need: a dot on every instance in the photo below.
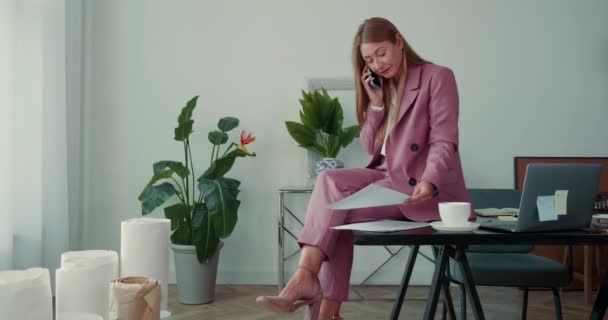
(314, 310)
(281, 305)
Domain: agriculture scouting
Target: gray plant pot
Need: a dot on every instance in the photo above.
(195, 280)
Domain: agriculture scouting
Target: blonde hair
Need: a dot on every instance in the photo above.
(377, 30)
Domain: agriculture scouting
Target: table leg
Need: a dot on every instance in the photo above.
(588, 276)
(407, 274)
(601, 301)
(438, 279)
(281, 225)
(598, 260)
(448, 299)
(448, 305)
(463, 263)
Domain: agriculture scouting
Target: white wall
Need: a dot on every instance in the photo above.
(7, 11)
(533, 79)
(74, 107)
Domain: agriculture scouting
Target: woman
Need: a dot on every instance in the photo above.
(410, 127)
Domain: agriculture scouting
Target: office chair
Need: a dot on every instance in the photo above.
(510, 265)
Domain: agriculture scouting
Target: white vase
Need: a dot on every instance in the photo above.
(326, 164)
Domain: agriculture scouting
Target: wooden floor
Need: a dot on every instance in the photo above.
(238, 302)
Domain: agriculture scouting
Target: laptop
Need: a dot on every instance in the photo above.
(543, 179)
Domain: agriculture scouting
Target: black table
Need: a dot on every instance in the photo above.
(448, 244)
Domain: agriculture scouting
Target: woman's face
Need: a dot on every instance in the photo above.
(384, 58)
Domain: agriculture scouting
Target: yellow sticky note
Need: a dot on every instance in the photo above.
(507, 218)
(561, 202)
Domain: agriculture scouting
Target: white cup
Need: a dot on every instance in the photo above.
(455, 214)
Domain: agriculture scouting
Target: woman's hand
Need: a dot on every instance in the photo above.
(375, 95)
(422, 192)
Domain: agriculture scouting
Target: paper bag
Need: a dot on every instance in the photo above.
(135, 298)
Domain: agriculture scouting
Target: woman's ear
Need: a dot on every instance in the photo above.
(399, 41)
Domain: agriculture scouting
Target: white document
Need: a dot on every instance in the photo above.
(370, 196)
(546, 208)
(561, 202)
(383, 226)
(495, 212)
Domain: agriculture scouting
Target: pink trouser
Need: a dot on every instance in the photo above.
(331, 186)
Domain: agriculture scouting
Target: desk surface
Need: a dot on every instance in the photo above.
(429, 236)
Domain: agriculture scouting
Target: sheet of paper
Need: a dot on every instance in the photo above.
(507, 218)
(370, 196)
(383, 226)
(546, 208)
(600, 216)
(514, 211)
(490, 211)
(561, 202)
(495, 212)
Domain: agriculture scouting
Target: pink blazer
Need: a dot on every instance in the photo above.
(424, 142)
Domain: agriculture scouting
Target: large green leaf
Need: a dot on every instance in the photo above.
(308, 114)
(181, 235)
(335, 118)
(305, 121)
(217, 137)
(333, 146)
(315, 109)
(222, 165)
(155, 195)
(321, 129)
(186, 113)
(318, 150)
(221, 203)
(185, 122)
(302, 134)
(228, 123)
(178, 214)
(183, 130)
(307, 138)
(232, 185)
(204, 236)
(348, 134)
(164, 170)
(321, 112)
(153, 180)
(326, 109)
(173, 166)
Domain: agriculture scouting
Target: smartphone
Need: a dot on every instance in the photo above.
(375, 83)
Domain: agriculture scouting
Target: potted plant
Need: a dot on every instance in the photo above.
(203, 215)
(321, 129)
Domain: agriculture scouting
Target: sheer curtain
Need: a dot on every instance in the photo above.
(34, 228)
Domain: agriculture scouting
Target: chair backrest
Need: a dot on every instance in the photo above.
(497, 198)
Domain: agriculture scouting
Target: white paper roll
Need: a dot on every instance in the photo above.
(89, 259)
(78, 316)
(83, 282)
(144, 251)
(26, 294)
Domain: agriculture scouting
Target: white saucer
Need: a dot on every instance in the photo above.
(470, 226)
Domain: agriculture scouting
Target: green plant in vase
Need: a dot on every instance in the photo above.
(206, 210)
(320, 130)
